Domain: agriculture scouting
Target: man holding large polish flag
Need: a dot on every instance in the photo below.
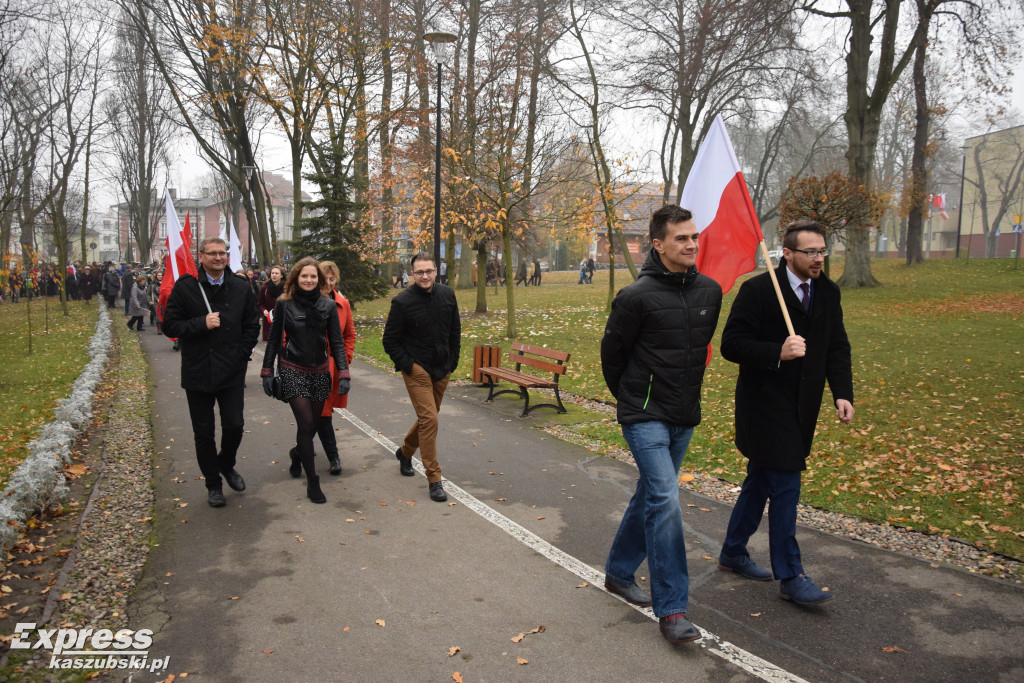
(783, 369)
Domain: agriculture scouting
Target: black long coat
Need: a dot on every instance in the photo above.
(777, 403)
(212, 360)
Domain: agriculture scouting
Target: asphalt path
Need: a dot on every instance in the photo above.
(381, 583)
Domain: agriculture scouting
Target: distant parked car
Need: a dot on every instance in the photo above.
(775, 255)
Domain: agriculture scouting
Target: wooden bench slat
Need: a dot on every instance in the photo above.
(541, 351)
(539, 364)
(519, 378)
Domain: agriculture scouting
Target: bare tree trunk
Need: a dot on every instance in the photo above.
(864, 111)
(481, 278)
(387, 193)
(510, 290)
(601, 170)
(918, 166)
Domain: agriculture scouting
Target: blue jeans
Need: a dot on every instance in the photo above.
(652, 527)
(783, 490)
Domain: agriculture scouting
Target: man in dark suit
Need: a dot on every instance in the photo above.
(214, 316)
(778, 395)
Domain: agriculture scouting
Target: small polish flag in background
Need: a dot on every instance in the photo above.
(722, 209)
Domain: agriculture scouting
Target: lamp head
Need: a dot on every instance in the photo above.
(440, 44)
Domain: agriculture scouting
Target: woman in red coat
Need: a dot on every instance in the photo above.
(325, 429)
(268, 297)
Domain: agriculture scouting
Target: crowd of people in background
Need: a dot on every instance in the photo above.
(109, 280)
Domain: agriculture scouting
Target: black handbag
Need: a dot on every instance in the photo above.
(275, 388)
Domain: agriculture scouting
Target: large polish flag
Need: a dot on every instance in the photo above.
(179, 242)
(178, 260)
(722, 209)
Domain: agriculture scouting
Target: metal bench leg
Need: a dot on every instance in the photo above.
(526, 404)
(561, 408)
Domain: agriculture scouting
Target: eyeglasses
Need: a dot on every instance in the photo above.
(814, 253)
(423, 273)
(216, 254)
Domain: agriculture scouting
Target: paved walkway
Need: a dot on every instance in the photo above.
(381, 583)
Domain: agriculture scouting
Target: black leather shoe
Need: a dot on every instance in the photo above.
(404, 464)
(313, 491)
(631, 593)
(437, 492)
(678, 629)
(216, 499)
(335, 465)
(234, 480)
(295, 469)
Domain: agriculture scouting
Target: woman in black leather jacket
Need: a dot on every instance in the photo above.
(305, 327)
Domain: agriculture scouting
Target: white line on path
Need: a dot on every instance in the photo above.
(750, 663)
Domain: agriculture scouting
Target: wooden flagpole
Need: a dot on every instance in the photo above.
(778, 291)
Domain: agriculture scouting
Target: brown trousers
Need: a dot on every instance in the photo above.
(425, 396)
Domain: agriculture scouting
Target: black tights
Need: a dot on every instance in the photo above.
(307, 417)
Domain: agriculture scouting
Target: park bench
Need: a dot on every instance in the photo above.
(537, 357)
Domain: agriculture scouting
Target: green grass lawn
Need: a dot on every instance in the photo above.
(937, 442)
(32, 385)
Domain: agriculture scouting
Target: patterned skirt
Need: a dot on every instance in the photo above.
(315, 386)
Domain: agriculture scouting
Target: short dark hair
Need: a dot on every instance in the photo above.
(789, 238)
(670, 213)
(208, 240)
(421, 256)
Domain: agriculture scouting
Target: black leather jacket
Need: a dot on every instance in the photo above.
(305, 344)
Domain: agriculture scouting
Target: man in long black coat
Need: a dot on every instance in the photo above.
(214, 316)
(778, 396)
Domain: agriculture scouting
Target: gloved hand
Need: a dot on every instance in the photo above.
(344, 385)
(268, 386)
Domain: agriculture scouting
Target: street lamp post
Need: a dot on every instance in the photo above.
(439, 42)
(248, 188)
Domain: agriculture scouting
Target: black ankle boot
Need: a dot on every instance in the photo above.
(296, 467)
(313, 491)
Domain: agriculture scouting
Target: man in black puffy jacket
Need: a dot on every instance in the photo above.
(422, 336)
(653, 356)
(216, 320)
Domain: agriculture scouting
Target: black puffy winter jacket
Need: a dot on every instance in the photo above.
(654, 348)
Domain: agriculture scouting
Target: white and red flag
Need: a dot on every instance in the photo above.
(178, 260)
(722, 209)
(234, 248)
